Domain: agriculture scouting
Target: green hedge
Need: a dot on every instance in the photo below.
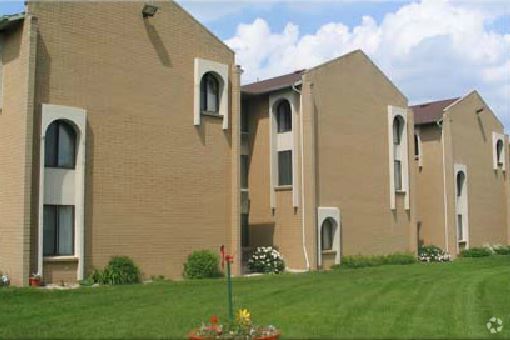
(501, 250)
(360, 261)
(476, 252)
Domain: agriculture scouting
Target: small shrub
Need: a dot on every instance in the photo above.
(433, 253)
(476, 252)
(120, 270)
(266, 260)
(202, 264)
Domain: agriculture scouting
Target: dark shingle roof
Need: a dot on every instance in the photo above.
(273, 84)
(430, 112)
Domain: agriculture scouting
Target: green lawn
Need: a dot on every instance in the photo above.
(421, 300)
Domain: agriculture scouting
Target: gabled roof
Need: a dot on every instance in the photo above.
(7, 21)
(273, 84)
(430, 112)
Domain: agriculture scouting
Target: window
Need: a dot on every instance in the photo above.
(499, 152)
(209, 93)
(244, 119)
(460, 183)
(245, 230)
(416, 147)
(245, 164)
(60, 145)
(327, 234)
(398, 124)
(398, 175)
(284, 116)
(460, 228)
(58, 230)
(285, 167)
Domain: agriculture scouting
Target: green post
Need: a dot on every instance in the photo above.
(229, 291)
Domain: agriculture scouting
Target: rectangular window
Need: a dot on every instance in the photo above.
(460, 227)
(245, 166)
(285, 167)
(244, 119)
(245, 231)
(398, 175)
(416, 147)
(58, 230)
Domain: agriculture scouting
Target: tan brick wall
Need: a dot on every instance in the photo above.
(283, 226)
(472, 146)
(350, 104)
(157, 187)
(58, 272)
(16, 152)
(430, 187)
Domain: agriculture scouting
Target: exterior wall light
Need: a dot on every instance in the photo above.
(149, 10)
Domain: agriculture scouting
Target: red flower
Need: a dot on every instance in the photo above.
(213, 320)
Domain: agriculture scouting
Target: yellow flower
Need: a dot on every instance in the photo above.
(243, 316)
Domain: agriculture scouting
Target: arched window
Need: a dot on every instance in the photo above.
(499, 152)
(461, 177)
(398, 125)
(327, 234)
(60, 145)
(210, 93)
(284, 116)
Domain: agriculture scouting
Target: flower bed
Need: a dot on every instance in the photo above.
(433, 254)
(241, 328)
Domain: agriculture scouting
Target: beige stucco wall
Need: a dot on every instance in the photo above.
(430, 186)
(157, 187)
(471, 136)
(18, 55)
(350, 104)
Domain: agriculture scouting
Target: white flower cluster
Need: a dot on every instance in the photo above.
(267, 260)
(433, 254)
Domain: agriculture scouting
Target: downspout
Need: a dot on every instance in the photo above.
(305, 252)
(440, 124)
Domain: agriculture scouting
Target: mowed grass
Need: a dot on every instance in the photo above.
(415, 301)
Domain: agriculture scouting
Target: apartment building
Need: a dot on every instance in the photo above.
(119, 128)
(125, 131)
(461, 162)
(326, 166)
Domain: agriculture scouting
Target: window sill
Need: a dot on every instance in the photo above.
(60, 258)
(283, 188)
(329, 252)
(211, 114)
(416, 158)
(400, 192)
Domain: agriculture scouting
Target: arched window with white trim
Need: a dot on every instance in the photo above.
(283, 116)
(210, 93)
(499, 151)
(398, 129)
(327, 234)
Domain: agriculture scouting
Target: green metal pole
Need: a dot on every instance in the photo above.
(229, 292)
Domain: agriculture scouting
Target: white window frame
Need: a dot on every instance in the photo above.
(202, 66)
(281, 142)
(462, 204)
(72, 191)
(393, 112)
(495, 161)
(322, 214)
